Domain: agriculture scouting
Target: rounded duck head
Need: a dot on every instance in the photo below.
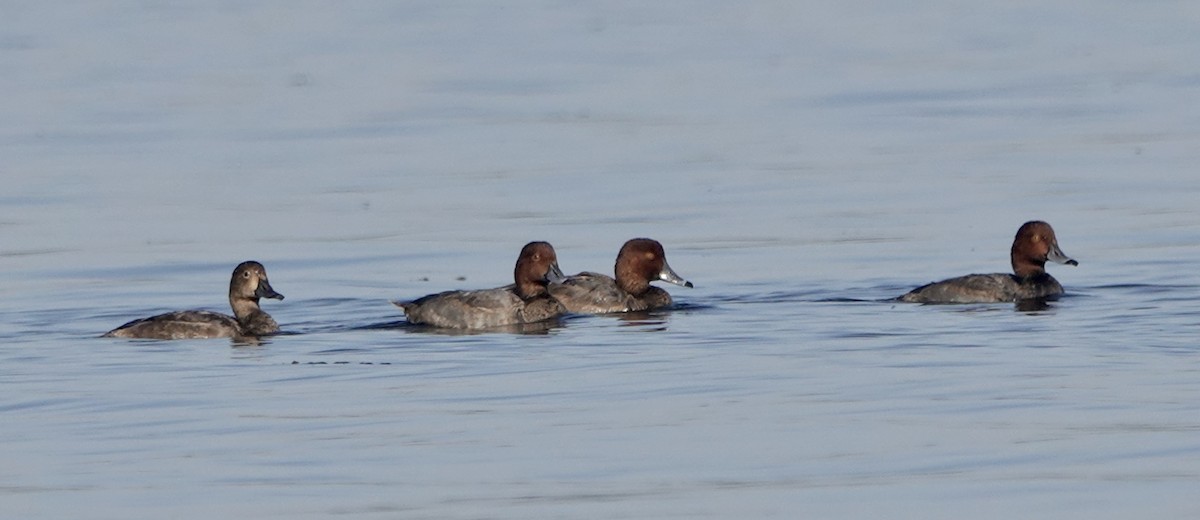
(537, 265)
(641, 261)
(249, 282)
(1034, 244)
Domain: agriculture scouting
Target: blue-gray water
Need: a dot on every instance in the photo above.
(797, 160)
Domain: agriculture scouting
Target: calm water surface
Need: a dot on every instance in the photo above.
(801, 163)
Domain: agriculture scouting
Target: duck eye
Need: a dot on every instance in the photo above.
(246, 274)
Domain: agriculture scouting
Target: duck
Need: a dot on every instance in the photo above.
(639, 262)
(248, 284)
(524, 301)
(1034, 245)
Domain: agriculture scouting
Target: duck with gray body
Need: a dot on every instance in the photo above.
(247, 285)
(639, 262)
(524, 301)
(1034, 245)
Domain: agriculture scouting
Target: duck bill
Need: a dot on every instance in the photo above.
(554, 274)
(668, 275)
(1056, 255)
(264, 290)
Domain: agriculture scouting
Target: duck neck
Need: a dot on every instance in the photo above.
(244, 308)
(530, 290)
(1028, 267)
(634, 285)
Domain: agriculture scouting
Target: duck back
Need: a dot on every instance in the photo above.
(986, 288)
(479, 309)
(595, 293)
(180, 325)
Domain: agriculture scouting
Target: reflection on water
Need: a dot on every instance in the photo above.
(648, 321)
(1033, 305)
(808, 163)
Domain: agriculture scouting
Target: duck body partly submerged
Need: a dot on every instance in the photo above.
(248, 284)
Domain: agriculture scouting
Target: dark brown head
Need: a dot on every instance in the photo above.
(642, 261)
(249, 282)
(1034, 245)
(536, 266)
